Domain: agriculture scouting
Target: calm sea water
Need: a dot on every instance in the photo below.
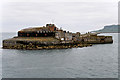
(98, 61)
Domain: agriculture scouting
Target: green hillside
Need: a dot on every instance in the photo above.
(109, 29)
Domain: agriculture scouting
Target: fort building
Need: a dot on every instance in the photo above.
(49, 35)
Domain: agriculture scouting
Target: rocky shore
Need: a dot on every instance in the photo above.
(36, 47)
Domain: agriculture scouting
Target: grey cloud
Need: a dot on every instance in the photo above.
(73, 16)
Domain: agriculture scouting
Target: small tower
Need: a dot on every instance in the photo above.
(52, 27)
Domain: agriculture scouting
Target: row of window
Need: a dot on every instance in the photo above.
(9, 42)
(35, 34)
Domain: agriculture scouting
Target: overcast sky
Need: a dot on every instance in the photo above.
(74, 16)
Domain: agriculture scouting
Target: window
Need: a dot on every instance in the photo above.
(27, 34)
(62, 38)
(36, 34)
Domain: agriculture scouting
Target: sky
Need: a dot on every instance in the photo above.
(72, 15)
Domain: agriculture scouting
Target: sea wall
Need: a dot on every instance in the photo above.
(32, 43)
(98, 39)
(33, 46)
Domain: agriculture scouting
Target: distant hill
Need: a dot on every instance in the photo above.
(109, 29)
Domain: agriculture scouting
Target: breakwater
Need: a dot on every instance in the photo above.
(40, 43)
(52, 43)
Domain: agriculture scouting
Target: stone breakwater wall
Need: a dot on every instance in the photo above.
(34, 46)
(31, 43)
(40, 43)
(98, 39)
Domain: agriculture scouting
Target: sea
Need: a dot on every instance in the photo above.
(97, 61)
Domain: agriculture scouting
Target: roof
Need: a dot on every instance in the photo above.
(35, 29)
(39, 39)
